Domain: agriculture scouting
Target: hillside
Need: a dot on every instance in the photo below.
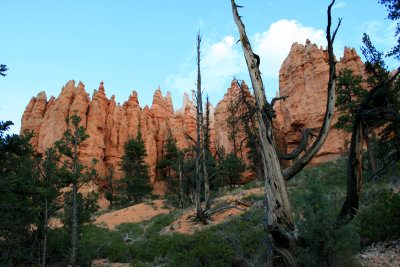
(237, 236)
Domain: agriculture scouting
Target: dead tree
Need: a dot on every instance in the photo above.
(279, 224)
(201, 167)
(364, 112)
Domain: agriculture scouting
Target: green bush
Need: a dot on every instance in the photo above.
(327, 238)
(380, 220)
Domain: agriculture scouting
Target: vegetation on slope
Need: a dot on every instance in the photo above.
(316, 195)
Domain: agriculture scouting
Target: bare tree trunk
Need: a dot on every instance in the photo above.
(354, 162)
(280, 227)
(200, 214)
(75, 204)
(206, 183)
(371, 157)
(180, 183)
(354, 170)
(278, 211)
(330, 106)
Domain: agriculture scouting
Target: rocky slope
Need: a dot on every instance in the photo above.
(303, 77)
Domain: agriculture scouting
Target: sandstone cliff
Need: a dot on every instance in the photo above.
(304, 77)
(110, 125)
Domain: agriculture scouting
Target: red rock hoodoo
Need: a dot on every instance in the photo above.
(303, 77)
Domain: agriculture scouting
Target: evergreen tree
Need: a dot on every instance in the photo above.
(18, 205)
(109, 193)
(49, 186)
(232, 168)
(68, 147)
(233, 124)
(136, 172)
(167, 166)
(253, 153)
(379, 106)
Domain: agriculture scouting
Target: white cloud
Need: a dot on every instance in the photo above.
(380, 33)
(223, 60)
(273, 46)
(220, 61)
(339, 5)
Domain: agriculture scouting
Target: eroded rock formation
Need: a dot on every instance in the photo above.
(304, 77)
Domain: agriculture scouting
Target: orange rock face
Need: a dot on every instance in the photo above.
(110, 125)
(222, 129)
(304, 78)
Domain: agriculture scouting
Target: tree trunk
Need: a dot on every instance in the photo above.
(180, 183)
(74, 233)
(278, 211)
(281, 236)
(200, 214)
(371, 157)
(354, 170)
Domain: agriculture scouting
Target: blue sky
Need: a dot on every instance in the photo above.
(140, 45)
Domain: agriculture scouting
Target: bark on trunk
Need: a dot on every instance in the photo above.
(354, 162)
(180, 183)
(278, 211)
(281, 236)
(199, 210)
(74, 233)
(354, 170)
(371, 157)
(297, 166)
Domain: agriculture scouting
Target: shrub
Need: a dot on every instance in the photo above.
(381, 220)
(327, 238)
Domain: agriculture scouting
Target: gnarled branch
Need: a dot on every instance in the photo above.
(302, 145)
(277, 99)
(289, 172)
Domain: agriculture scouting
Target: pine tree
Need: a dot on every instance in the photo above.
(232, 168)
(49, 186)
(68, 147)
(136, 172)
(109, 193)
(379, 106)
(167, 166)
(18, 203)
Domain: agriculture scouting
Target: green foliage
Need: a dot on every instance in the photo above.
(327, 238)
(86, 206)
(393, 7)
(168, 165)
(136, 172)
(255, 197)
(233, 122)
(109, 194)
(19, 203)
(253, 154)
(350, 93)
(232, 168)
(381, 219)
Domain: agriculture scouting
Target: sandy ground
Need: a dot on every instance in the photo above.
(185, 226)
(132, 214)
